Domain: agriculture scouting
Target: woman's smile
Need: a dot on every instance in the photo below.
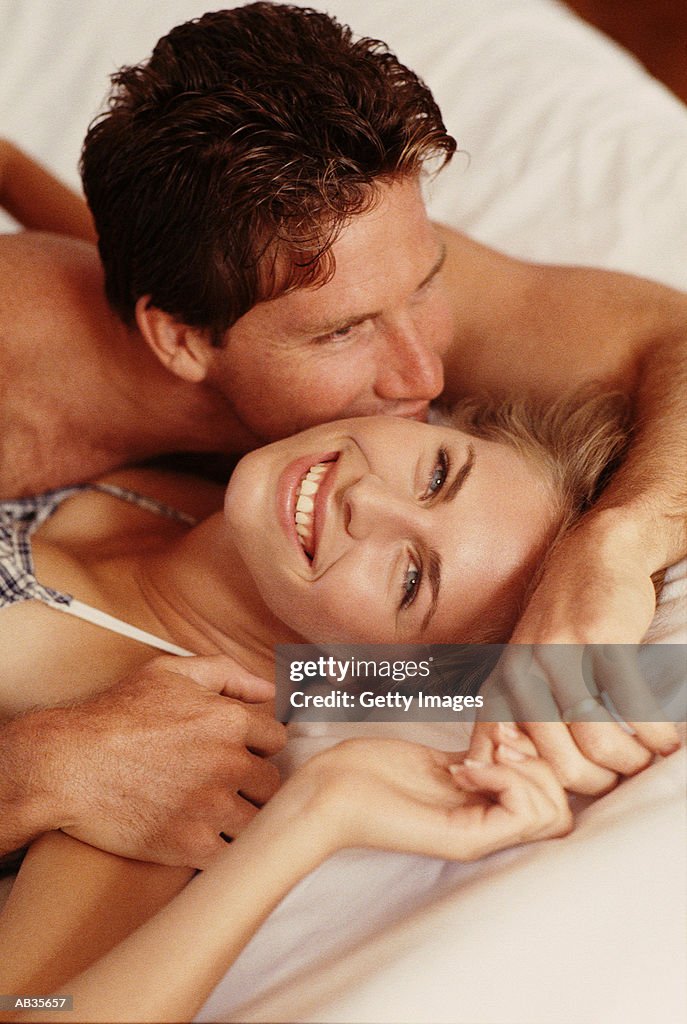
(386, 531)
(302, 491)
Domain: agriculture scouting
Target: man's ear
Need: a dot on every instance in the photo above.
(183, 350)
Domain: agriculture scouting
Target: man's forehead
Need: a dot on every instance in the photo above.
(337, 303)
(385, 253)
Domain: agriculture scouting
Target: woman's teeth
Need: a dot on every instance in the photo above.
(305, 505)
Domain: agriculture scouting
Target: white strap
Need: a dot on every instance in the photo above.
(98, 618)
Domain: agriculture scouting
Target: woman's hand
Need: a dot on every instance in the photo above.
(394, 795)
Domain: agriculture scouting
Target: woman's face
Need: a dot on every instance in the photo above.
(385, 530)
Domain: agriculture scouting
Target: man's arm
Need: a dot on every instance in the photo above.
(155, 768)
(38, 200)
(546, 331)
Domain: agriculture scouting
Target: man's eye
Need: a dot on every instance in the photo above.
(439, 474)
(342, 334)
(411, 584)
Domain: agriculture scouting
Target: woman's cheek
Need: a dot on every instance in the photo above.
(350, 612)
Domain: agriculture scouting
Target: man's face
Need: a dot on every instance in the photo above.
(369, 341)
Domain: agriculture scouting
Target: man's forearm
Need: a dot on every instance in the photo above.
(27, 808)
(650, 487)
(547, 331)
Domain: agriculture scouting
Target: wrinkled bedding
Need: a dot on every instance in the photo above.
(570, 153)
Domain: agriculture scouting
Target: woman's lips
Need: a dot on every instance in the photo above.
(321, 505)
(288, 487)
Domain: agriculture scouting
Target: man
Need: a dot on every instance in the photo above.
(269, 264)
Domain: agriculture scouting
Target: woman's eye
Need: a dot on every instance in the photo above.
(411, 584)
(439, 474)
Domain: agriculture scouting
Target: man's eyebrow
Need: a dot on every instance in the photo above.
(433, 557)
(330, 327)
(440, 260)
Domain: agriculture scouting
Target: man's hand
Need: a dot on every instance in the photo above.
(576, 640)
(156, 767)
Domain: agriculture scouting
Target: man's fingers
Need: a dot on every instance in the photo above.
(618, 672)
(661, 737)
(572, 769)
(610, 746)
(220, 673)
(261, 781)
(205, 842)
(263, 735)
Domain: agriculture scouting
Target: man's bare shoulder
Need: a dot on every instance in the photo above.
(53, 317)
(46, 271)
(52, 302)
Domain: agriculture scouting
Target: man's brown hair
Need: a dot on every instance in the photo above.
(228, 162)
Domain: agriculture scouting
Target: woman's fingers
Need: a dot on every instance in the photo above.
(486, 737)
(527, 801)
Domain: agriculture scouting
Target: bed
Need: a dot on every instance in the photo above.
(569, 152)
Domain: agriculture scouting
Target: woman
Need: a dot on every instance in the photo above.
(373, 529)
(376, 530)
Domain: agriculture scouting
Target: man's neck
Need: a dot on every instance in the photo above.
(154, 412)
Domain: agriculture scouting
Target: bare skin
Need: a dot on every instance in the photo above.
(59, 425)
(511, 325)
(363, 793)
(378, 793)
(36, 199)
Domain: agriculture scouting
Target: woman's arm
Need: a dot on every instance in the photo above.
(70, 904)
(38, 200)
(371, 793)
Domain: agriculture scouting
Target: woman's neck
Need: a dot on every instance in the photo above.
(199, 590)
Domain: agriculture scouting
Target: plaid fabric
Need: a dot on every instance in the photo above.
(21, 518)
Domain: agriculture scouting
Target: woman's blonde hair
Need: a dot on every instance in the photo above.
(578, 441)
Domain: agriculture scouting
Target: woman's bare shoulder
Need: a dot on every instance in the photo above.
(193, 495)
(92, 520)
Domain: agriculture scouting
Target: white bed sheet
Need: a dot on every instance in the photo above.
(572, 154)
(589, 929)
(373, 937)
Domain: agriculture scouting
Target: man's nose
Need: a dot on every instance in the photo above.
(408, 367)
(372, 507)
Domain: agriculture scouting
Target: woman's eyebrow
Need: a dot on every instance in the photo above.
(433, 556)
(434, 577)
(450, 492)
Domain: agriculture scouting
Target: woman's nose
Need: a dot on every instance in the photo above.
(372, 506)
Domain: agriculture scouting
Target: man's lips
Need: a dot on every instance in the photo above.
(416, 411)
(288, 487)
